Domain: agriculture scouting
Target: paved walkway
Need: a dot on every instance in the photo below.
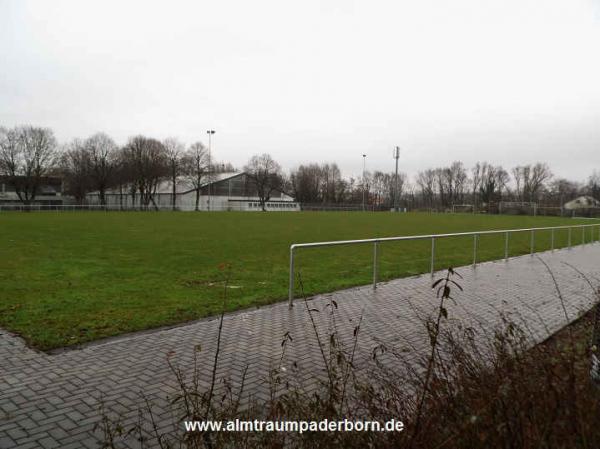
(52, 400)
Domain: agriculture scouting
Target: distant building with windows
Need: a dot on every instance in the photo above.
(225, 191)
(49, 192)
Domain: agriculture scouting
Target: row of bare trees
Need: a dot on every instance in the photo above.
(26, 154)
(486, 184)
(97, 163)
(483, 185)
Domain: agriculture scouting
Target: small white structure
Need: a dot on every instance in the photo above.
(583, 202)
(225, 191)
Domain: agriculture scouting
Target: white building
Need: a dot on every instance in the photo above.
(583, 202)
(226, 191)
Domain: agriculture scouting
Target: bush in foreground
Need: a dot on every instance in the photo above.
(466, 392)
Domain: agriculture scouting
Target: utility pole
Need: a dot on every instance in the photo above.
(396, 189)
(364, 184)
(210, 132)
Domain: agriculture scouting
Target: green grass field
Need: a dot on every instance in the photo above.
(68, 278)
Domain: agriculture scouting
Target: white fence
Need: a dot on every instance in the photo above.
(274, 207)
(594, 236)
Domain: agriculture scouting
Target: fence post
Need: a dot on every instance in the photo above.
(291, 286)
(375, 265)
(552, 240)
(532, 246)
(474, 250)
(506, 246)
(570, 229)
(583, 236)
(432, 255)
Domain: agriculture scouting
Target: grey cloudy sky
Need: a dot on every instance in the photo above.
(509, 81)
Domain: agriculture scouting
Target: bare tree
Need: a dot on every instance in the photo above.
(401, 186)
(147, 164)
(102, 152)
(331, 181)
(266, 176)
(222, 167)
(459, 179)
(381, 183)
(306, 182)
(75, 167)
(442, 186)
(384, 187)
(562, 190)
(26, 155)
(594, 184)
(493, 180)
(174, 153)
(475, 182)
(426, 182)
(540, 175)
(314, 183)
(530, 180)
(195, 167)
(123, 175)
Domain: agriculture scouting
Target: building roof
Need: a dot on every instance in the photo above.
(184, 185)
(583, 202)
(48, 185)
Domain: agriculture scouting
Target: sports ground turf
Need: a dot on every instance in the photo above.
(68, 278)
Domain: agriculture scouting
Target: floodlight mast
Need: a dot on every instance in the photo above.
(396, 186)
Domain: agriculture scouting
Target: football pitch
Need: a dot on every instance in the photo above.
(68, 278)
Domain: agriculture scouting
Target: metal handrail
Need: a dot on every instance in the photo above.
(476, 235)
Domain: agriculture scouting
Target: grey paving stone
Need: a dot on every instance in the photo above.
(53, 400)
(6, 442)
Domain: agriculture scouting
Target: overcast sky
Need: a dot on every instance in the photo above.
(509, 81)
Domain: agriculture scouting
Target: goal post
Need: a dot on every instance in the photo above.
(463, 209)
(518, 208)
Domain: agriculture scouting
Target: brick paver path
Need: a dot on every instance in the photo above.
(52, 400)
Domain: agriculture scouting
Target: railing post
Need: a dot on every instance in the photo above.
(570, 232)
(374, 265)
(552, 240)
(506, 246)
(474, 250)
(291, 286)
(583, 235)
(532, 245)
(432, 255)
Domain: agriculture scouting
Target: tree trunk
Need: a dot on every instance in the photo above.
(121, 196)
(174, 199)
(197, 198)
(154, 203)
